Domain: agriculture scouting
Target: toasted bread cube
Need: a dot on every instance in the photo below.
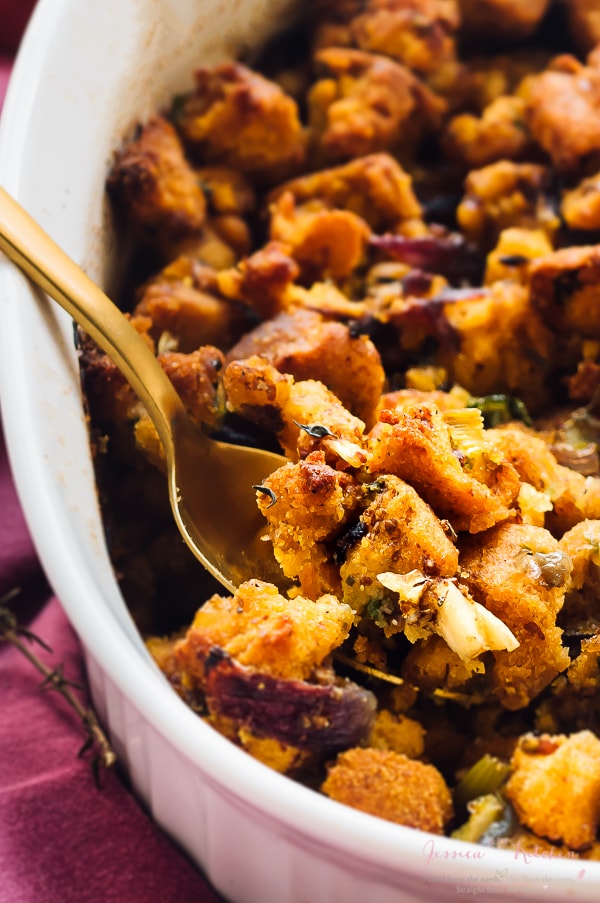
(263, 630)
(502, 19)
(155, 184)
(237, 118)
(518, 572)
(555, 787)
(307, 346)
(565, 289)
(391, 786)
(374, 187)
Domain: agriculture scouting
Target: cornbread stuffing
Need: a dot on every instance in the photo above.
(375, 250)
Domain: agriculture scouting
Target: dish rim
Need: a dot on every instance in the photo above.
(312, 818)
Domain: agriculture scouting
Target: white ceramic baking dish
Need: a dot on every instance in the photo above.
(87, 72)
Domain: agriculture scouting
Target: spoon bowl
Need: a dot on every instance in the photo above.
(211, 484)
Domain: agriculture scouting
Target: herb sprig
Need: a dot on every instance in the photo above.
(96, 744)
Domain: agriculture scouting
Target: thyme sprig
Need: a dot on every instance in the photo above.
(96, 744)
(266, 491)
(316, 430)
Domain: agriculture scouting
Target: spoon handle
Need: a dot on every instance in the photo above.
(27, 245)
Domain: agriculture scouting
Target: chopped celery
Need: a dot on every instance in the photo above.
(486, 776)
(483, 812)
(497, 409)
(466, 427)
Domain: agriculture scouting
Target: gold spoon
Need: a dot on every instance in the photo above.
(210, 483)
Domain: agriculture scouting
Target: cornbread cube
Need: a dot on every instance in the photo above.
(313, 503)
(263, 630)
(240, 119)
(375, 187)
(391, 786)
(308, 346)
(563, 112)
(499, 133)
(518, 572)
(155, 184)
(565, 289)
(504, 195)
(366, 103)
(418, 33)
(555, 786)
(473, 492)
(401, 533)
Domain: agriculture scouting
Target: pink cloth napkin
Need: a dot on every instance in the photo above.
(63, 840)
(5, 64)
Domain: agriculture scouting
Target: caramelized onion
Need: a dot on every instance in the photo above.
(552, 568)
(449, 255)
(318, 718)
(584, 460)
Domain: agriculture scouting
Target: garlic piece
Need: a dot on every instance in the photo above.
(348, 451)
(468, 627)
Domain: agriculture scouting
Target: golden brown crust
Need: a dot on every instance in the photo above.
(305, 345)
(555, 787)
(564, 289)
(581, 205)
(313, 503)
(259, 392)
(185, 317)
(416, 445)
(374, 187)
(155, 184)
(503, 573)
(237, 118)
(508, 19)
(263, 280)
(503, 195)
(261, 629)
(574, 497)
(391, 786)
(401, 534)
(420, 34)
(563, 113)
(510, 259)
(504, 344)
(500, 133)
(326, 244)
(227, 189)
(365, 103)
(398, 733)
(196, 379)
